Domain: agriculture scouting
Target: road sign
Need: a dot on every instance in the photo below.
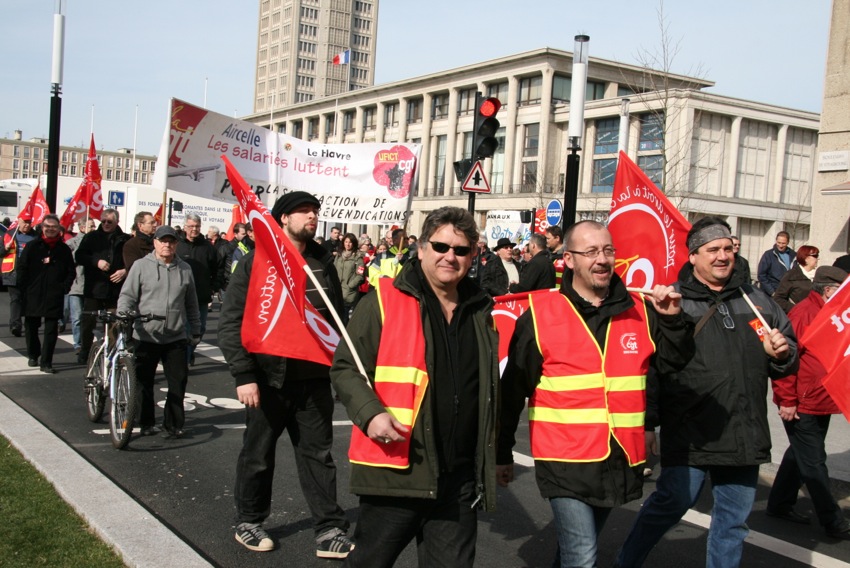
(553, 212)
(116, 199)
(476, 181)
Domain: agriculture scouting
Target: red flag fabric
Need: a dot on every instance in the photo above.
(92, 180)
(158, 216)
(277, 291)
(35, 208)
(837, 384)
(649, 233)
(76, 208)
(828, 336)
(506, 311)
(236, 217)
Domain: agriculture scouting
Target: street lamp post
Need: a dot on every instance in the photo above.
(576, 128)
(55, 106)
(623, 139)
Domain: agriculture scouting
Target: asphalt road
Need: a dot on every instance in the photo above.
(187, 484)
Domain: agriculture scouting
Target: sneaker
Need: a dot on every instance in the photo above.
(253, 537)
(334, 544)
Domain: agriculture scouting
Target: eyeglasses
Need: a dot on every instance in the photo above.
(728, 322)
(190, 227)
(443, 248)
(591, 254)
(107, 221)
(816, 255)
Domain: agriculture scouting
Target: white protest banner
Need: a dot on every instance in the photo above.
(357, 183)
(505, 224)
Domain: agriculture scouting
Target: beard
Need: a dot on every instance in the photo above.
(303, 235)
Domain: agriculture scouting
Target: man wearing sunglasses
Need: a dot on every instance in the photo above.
(581, 355)
(101, 254)
(713, 413)
(422, 446)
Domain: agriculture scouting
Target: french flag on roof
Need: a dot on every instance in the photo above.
(342, 58)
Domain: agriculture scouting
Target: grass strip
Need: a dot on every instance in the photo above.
(39, 528)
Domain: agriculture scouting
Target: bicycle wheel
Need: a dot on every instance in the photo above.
(125, 404)
(95, 396)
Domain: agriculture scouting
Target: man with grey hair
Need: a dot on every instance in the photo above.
(713, 413)
(422, 450)
(207, 269)
(101, 254)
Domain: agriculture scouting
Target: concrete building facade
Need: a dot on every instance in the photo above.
(296, 44)
(749, 162)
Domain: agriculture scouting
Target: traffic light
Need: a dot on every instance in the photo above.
(484, 141)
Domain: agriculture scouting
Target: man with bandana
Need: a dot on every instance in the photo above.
(713, 413)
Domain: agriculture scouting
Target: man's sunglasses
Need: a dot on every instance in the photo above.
(443, 248)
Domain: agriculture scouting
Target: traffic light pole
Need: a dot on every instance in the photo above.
(471, 203)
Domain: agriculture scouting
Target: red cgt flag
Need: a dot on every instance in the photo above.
(92, 181)
(35, 208)
(76, 208)
(828, 336)
(236, 217)
(158, 216)
(277, 292)
(648, 231)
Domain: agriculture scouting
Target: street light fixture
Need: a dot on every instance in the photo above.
(576, 127)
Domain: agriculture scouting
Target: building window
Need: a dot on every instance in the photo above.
(529, 177)
(594, 91)
(499, 91)
(26, 152)
(64, 155)
(391, 114)
(369, 118)
(135, 177)
(16, 164)
(531, 141)
(607, 136)
(330, 126)
(651, 132)
(414, 111)
(466, 102)
(440, 170)
(561, 88)
(108, 174)
(144, 165)
(26, 164)
(16, 151)
(35, 166)
(126, 176)
(603, 175)
(497, 167)
(73, 171)
(754, 157)
(144, 178)
(653, 167)
(440, 106)
(35, 154)
(63, 169)
(529, 90)
(799, 166)
(348, 122)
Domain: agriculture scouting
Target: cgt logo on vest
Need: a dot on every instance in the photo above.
(628, 341)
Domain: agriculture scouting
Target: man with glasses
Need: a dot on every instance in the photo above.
(713, 413)
(101, 254)
(201, 256)
(161, 284)
(805, 408)
(45, 275)
(422, 448)
(581, 355)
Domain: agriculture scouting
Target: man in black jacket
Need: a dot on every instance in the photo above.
(713, 413)
(500, 273)
(207, 269)
(285, 394)
(141, 244)
(539, 272)
(581, 356)
(101, 254)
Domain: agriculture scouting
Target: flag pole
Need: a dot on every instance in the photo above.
(343, 332)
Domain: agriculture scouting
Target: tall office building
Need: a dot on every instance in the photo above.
(296, 44)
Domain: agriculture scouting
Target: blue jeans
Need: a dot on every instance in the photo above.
(75, 307)
(578, 525)
(677, 490)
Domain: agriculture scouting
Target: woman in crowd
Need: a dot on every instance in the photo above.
(797, 282)
(352, 271)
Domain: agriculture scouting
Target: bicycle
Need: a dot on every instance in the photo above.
(111, 368)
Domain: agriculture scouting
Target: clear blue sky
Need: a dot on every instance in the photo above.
(120, 55)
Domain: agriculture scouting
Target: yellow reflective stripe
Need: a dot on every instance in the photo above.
(627, 419)
(403, 415)
(379, 464)
(571, 383)
(568, 416)
(408, 375)
(620, 384)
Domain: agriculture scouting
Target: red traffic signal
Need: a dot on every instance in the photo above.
(484, 141)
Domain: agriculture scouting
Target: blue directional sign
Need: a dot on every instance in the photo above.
(116, 199)
(553, 212)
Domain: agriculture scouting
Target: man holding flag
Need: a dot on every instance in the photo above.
(283, 393)
(713, 413)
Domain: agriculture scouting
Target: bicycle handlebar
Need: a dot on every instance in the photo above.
(104, 316)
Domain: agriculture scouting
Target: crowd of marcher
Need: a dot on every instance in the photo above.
(600, 368)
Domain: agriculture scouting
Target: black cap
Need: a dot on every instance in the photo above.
(288, 202)
(165, 231)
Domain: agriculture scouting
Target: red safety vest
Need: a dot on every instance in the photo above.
(9, 260)
(559, 271)
(401, 378)
(583, 396)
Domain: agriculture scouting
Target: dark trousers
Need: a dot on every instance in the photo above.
(805, 462)
(305, 410)
(35, 349)
(445, 528)
(173, 357)
(14, 308)
(88, 322)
